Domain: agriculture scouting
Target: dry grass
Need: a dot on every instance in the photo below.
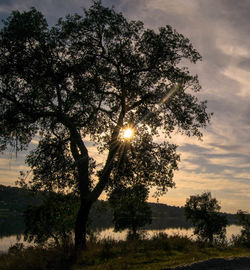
(154, 254)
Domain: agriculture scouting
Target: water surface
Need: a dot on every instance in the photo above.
(7, 241)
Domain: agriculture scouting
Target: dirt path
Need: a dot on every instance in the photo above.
(242, 263)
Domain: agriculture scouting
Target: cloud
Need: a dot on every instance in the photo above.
(51, 9)
(245, 64)
(10, 167)
(219, 30)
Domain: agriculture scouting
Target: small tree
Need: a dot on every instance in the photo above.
(244, 221)
(131, 211)
(203, 211)
(54, 219)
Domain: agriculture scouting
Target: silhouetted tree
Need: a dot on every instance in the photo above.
(87, 78)
(54, 219)
(244, 221)
(203, 211)
(130, 209)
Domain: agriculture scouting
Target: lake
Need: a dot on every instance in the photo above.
(7, 241)
(109, 233)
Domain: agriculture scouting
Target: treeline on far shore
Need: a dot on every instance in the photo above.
(14, 200)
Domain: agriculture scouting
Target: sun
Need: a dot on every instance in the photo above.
(128, 133)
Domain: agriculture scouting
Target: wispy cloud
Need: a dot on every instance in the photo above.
(219, 30)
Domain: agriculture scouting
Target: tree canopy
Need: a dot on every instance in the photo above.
(130, 209)
(54, 219)
(244, 222)
(203, 211)
(87, 78)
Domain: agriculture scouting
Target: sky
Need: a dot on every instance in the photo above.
(219, 30)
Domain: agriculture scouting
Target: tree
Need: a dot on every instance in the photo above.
(130, 209)
(203, 211)
(244, 221)
(54, 219)
(87, 78)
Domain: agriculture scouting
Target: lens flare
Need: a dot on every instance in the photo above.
(128, 133)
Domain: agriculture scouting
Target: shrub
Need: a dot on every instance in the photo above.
(244, 221)
(203, 211)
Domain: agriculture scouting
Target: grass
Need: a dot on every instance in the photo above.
(154, 254)
(35, 258)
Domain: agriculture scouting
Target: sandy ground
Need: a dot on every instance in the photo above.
(217, 264)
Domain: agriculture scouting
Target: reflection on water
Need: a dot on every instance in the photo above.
(109, 233)
(233, 230)
(6, 242)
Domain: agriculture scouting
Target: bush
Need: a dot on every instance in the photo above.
(35, 258)
(244, 221)
(16, 248)
(106, 248)
(180, 243)
(160, 241)
(160, 236)
(203, 212)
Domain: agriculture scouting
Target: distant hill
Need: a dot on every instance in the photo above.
(14, 201)
(173, 216)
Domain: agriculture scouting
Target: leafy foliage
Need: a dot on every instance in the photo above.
(143, 161)
(131, 211)
(203, 211)
(54, 219)
(87, 78)
(244, 221)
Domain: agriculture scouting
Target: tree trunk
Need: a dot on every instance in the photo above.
(81, 226)
(211, 239)
(85, 205)
(88, 197)
(82, 163)
(134, 230)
